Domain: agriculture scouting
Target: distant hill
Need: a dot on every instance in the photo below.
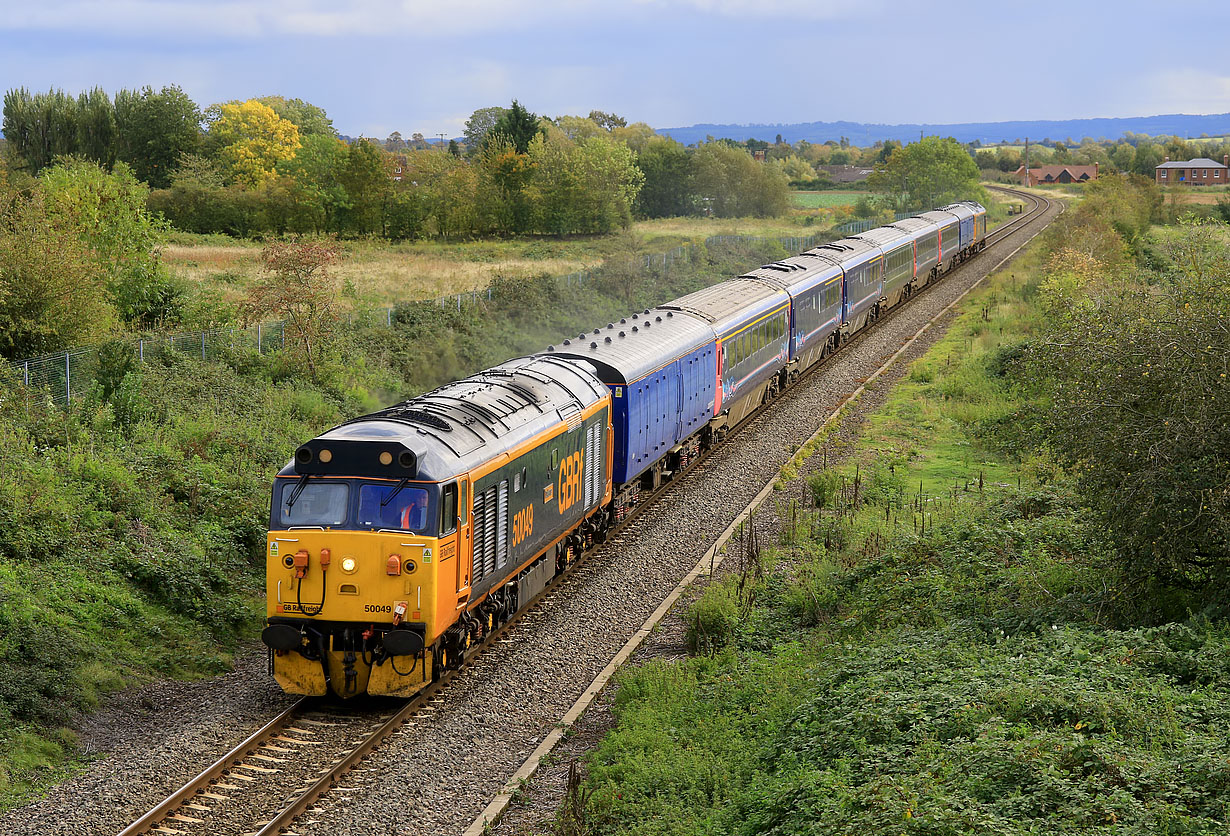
(862, 134)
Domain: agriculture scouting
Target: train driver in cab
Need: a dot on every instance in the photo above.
(385, 507)
(414, 511)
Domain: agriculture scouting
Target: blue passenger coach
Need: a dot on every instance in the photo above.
(661, 368)
(751, 321)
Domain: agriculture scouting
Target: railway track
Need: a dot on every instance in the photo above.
(276, 775)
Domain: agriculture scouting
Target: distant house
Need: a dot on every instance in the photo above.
(846, 173)
(1044, 174)
(1198, 172)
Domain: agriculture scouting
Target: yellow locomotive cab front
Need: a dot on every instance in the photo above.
(351, 589)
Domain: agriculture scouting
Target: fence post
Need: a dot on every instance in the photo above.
(27, 375)
(68, 379)
(389, 317)
(258, 338)
(141, 350)
(202, 345)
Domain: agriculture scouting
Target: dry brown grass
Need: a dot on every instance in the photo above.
(373, 275)
(1194, 195)
(663, 233)
(376, 274)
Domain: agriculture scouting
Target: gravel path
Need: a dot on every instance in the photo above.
(439, 773)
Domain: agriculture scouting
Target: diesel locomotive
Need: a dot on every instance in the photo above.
(400, 539)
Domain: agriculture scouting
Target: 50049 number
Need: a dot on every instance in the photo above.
(377, 608)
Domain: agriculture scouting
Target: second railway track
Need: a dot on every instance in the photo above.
(295, 770)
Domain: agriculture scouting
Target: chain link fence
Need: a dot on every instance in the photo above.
(68, 376)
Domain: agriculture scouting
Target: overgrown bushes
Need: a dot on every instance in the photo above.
(950, 639)
(132, 526)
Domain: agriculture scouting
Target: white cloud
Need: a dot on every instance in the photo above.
(260, 18)
(1186, 90)
(340, 18)
(795, 9)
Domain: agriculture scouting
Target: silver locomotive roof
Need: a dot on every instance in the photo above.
(448, 431)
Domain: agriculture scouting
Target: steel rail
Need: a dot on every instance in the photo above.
(331, 778)
(212, 773)
(414, 705)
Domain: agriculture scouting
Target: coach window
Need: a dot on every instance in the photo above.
(448, 509)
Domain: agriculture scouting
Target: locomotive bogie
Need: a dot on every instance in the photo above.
(401, 539)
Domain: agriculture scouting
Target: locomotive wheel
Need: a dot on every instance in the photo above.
(440, 662)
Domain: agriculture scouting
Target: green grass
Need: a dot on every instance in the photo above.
(132, 525)
(826, 199)
(969, 675)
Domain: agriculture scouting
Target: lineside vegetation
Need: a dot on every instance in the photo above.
(1006, 612)
(132, 525)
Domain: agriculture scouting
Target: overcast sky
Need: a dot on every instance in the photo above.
(383, 65)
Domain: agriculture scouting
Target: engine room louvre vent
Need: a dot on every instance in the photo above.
(427, 419)
(571, 414)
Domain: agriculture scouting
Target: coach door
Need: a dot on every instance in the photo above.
(465, 539)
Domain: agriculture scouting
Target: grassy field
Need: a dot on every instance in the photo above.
(826, 200)
(218, 270)
(1195, 195)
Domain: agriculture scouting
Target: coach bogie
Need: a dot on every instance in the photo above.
(400, 540)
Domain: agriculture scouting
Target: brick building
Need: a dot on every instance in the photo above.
(1044, 174)
(1198, 172)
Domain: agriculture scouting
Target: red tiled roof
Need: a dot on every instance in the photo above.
(1074, 171)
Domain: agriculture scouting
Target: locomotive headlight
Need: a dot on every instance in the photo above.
(349, 565)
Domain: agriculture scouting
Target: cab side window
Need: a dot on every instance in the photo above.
(448, 509)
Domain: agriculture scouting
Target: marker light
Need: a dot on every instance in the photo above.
(393, 566)
(349, 565)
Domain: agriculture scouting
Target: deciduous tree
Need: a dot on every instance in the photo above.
(108, 212)
(667, 191)
(252, 140)
(480, 124)
(365, 177)
(308, 118)
(52, 294)
(96, 139)
(297, 285)
(932, 172)
(1139, 405)
(153, 129)
(735, 185)
(40, 126)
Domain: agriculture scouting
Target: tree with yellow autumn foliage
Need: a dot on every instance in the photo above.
(252, 139)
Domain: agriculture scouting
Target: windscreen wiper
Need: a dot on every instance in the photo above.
(298, 489)
(395, 492)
